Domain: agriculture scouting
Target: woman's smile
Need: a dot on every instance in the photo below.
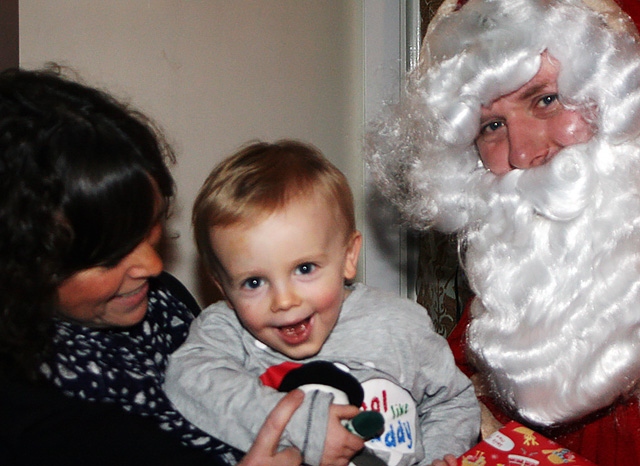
(133, 298)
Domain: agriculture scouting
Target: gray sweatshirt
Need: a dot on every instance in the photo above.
(387, 343)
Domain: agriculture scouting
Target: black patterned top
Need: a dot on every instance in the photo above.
(127, 366)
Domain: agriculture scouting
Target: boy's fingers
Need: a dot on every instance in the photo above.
(451, 460)
(289, 456)
(273, 427)
(346, 411)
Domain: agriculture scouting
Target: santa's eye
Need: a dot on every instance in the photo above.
(547, 100)
(491, 127)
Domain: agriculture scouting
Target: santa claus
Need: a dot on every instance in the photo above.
(520, 131)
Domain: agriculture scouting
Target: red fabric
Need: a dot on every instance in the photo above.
(273, 376)
(610, 439)
(632, 8)
(457, 342)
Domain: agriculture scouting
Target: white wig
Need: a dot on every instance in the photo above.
(552, 252)
(422, 152)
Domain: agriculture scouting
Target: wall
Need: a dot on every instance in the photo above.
(215, 74)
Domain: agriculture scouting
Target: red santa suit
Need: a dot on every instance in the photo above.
(610, 437)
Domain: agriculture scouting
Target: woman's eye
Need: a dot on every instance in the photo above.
(306, 268)
(252, 283)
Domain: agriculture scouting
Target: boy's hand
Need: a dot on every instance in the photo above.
(264, 451)
(449, 460)
(340, 445)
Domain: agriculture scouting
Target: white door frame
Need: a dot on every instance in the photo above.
(391, 48)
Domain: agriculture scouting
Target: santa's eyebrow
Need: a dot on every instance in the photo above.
(538, 88)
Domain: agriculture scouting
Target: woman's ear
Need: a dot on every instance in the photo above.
(352, 255)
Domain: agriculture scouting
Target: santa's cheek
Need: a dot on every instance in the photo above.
(571, 129)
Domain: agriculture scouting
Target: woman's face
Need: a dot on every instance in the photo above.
(113, 296)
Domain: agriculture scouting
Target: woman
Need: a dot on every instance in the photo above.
(88, 317)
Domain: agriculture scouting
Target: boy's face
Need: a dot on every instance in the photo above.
(284, 274)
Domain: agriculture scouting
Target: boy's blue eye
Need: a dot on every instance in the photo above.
(306, 268)
(252, 283)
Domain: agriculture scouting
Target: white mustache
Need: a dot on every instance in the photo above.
(554, 256)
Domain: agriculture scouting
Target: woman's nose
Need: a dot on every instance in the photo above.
(144, 261)
(529, 143)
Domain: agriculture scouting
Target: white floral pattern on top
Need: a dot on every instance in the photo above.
(127, 367)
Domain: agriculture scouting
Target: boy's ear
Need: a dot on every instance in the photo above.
(218, 284)
(352, 256)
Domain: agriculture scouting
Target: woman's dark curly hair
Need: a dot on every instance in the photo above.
(78, 178)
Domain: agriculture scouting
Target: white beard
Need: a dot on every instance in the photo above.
(554, 258)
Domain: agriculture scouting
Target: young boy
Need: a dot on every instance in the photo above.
(275, 227)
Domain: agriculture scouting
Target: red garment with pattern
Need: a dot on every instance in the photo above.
(611, 438)
(632, 7)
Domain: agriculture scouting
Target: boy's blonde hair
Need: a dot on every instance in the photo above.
(262, 178)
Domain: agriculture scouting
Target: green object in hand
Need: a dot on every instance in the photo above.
(367, 424)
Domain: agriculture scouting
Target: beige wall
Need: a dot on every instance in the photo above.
(214, 74)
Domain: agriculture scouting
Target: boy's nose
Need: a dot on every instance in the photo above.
(284, 298)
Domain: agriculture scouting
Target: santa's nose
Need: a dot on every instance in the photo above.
(529, 144)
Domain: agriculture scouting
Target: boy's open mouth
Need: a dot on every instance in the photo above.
(296, 333)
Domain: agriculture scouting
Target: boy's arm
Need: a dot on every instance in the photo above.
(449, 414)
(209, 384)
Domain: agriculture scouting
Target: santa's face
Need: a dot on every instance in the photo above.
(529, 126)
